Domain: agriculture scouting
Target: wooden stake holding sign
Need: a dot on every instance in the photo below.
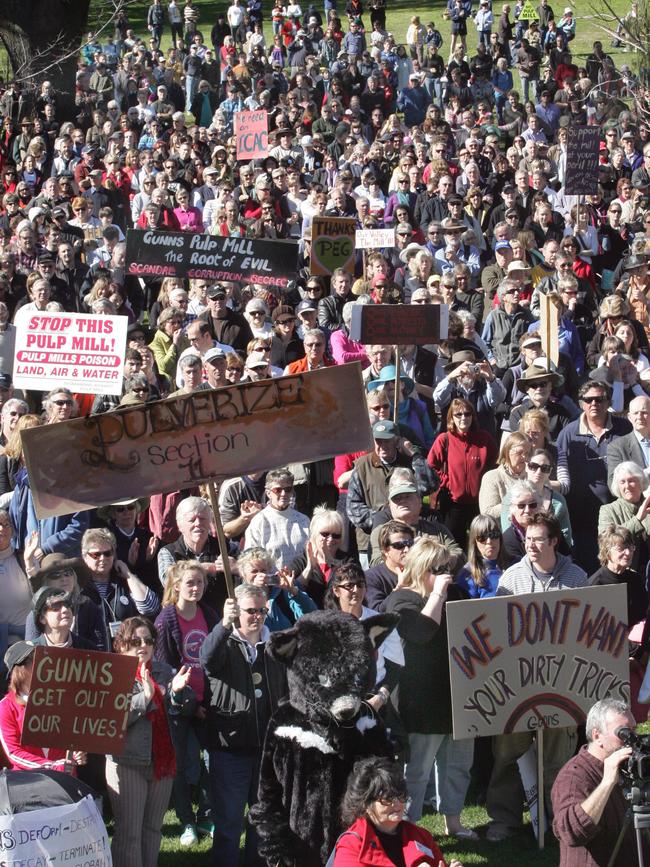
(221, 538)
(549, 328)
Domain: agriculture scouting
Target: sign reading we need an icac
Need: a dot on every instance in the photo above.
(539, 660)
(79, 351)
(251, 134)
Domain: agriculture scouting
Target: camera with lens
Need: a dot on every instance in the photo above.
(636, 772)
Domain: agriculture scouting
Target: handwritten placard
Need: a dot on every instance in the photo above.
(539, 660)
(374, 239)
(79, 700)
(582, 152)
(171, 444)
(251, 134)
(332, 245)
(210, 257)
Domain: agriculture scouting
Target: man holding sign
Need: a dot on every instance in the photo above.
(540, 571)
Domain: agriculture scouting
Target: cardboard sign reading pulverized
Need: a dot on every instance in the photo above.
(172, 444)
(399, 323)
(252, 134)
(79, 351)
(582, 156)
(79, 700)
(539, 660)
(159, 253)
(332, 245)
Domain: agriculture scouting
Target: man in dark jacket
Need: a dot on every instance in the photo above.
(245, 687)
(330, 309)
(226, 326)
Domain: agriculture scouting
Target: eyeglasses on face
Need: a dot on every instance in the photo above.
(543, 468)
(255, 612)
(462, 415)
(97, 555)
(401, 544)
(523, 507)
(593, 399)
(132, 643)
(130, 507)
(67, 402)
(488, 537)
(281, 489)
(350, 586)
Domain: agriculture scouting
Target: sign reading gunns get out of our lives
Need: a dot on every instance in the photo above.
(179, 442)
(539, 660)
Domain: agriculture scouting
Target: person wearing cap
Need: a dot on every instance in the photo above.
(226, 326)
(413, 101)
(469, 379)
(214, 368)
(286, 346)
(368, 484)
(405, 505)
(18, 661)
(505, 325)
(583, 446)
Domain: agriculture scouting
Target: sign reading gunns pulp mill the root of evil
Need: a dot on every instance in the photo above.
(171, 444)
(539, 660)
(195, 255)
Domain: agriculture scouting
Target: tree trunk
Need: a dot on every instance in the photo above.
(39, 33)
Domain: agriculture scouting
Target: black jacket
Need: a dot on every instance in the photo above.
(242, 695)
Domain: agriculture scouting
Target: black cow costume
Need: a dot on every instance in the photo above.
(314, 738)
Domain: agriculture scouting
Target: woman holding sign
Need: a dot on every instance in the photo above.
(140, 780)
(18, 660)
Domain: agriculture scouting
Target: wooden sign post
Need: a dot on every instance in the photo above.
(549, 329)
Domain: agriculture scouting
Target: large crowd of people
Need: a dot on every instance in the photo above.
(494, 470)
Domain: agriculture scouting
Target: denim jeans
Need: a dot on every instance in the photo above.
(190, 771)
(233, 780)
(452, 760)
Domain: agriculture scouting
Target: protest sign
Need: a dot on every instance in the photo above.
(332, 244)
(528, 12)
(79, 351)
(251, 134)
(79, 700)
(160, 253)
(399, 323)
(176, 443)
(539, 660)
(374, 239)
(582, 152)
(71, 834)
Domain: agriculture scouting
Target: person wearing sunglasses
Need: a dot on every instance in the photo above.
(539, 467)
(278, 527)
(323, 552)
(245, 687)
(286, 600)
(426, 584)
(460, 457)
(140, 779)
(135, 545)
(346, 592)
(113, 587)
(373, 811)
(582, 463)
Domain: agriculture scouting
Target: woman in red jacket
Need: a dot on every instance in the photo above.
(460, 457)
(378, 835)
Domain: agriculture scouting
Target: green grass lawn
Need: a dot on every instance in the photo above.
(506, 854)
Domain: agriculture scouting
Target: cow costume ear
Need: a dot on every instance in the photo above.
(379, 627)
(282, 645)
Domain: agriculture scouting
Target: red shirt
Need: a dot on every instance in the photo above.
(362, 847)
(468, 458)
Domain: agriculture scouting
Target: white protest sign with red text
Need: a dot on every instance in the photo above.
(79, 351)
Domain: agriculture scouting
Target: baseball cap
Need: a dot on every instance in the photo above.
(216, 291)
(18, 652)
(213, 354)
(256, 361)
(5, 380)
(502, 245)
(304, 306)
(384, 430)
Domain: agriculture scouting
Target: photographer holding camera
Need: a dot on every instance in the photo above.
(589, 806)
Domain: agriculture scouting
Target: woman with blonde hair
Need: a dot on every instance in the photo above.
(515, 451)
(185, 614)
(426, 584)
